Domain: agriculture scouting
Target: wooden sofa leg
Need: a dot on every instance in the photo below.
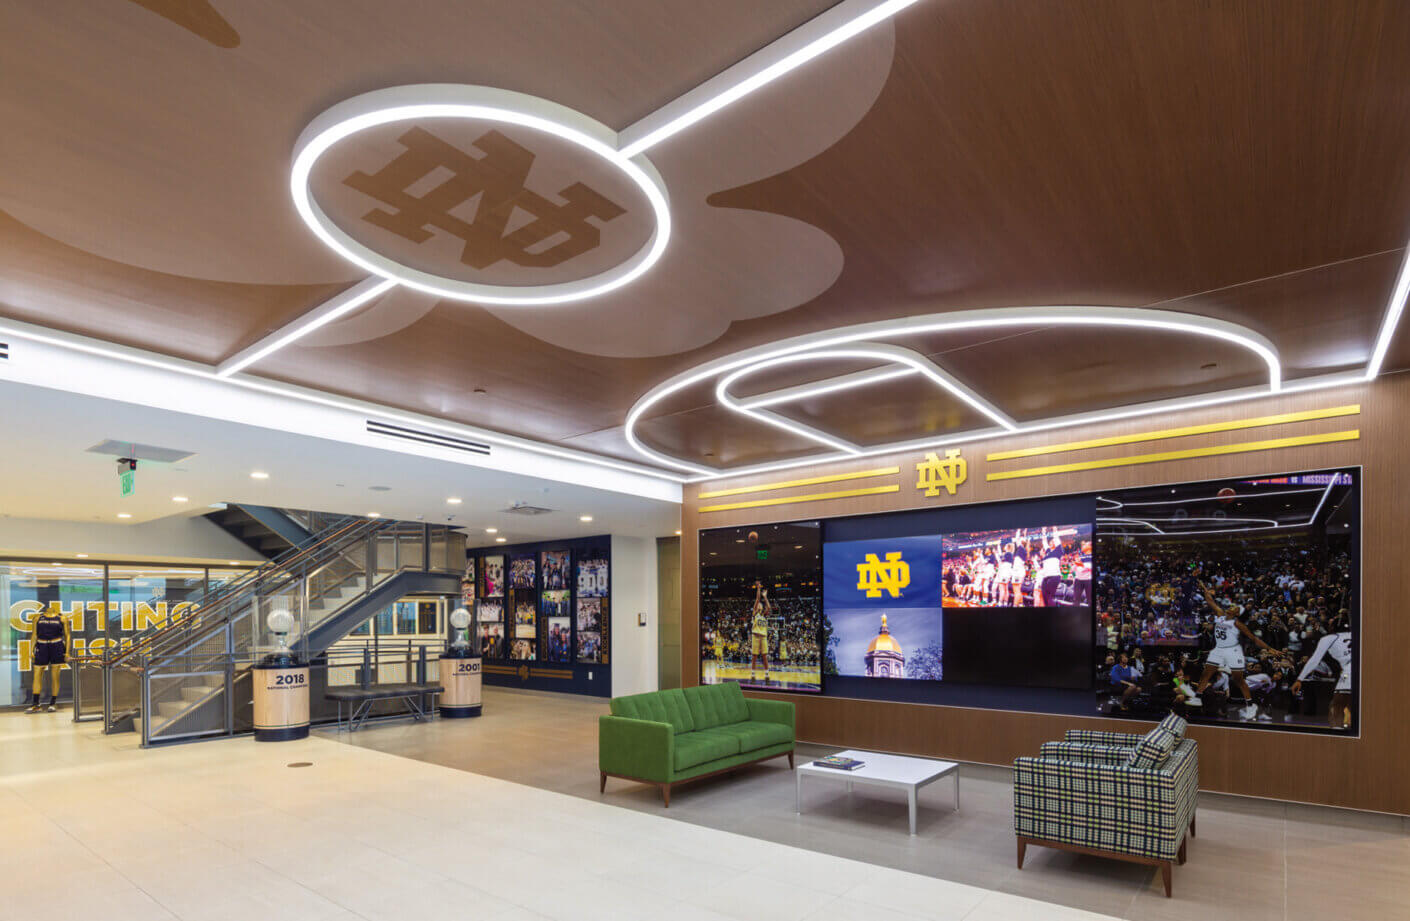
(1180, 856)
(602, 787)
(790, 761)
(1192, 825)
(1022, 848)
(666, 794)
(1165, 873)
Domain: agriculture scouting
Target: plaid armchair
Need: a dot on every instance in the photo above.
(1096, 793)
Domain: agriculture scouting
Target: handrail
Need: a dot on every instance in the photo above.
(240, 587)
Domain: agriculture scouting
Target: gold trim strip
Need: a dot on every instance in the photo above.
(810, 481)
(1279, 419)
(546, 673)
(811, 497)
(1349, 435)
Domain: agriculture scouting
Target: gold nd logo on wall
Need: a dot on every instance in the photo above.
(934, 474)
(875, 576)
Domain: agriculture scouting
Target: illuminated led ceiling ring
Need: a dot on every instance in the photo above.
(989, 318)
(910, 360)
(480, 103)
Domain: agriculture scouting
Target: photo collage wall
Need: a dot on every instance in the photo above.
(537, 605)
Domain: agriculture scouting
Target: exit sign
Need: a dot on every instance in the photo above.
(128, 480)
(762, 553)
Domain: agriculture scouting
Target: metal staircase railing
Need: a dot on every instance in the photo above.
(187, 678)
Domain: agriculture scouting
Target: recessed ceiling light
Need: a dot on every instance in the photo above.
(374, 514)
(678, 533)
(180, 499)
(234, 562)
(453, 500)
(258, 475)
(491, 530)
(500, 540)
(81, 556)
(124, 515)
(53, 564)
(585, 518)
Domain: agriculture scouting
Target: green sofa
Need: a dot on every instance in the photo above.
(669, 737)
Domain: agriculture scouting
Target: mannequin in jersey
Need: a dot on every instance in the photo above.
(51, 646)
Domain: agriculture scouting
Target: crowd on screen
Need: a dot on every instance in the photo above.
(1154, 628)
(726, 623)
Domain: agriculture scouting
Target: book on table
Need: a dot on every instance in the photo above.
(838, 763)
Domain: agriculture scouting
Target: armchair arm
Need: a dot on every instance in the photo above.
(1099, 737)
(1086, 751)
(770, 711)
(640, 749)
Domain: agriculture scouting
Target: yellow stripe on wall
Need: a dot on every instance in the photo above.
(810, 481)
(1350, 435)
(1256, 422)
(812, 497)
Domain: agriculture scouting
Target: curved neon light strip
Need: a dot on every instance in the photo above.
(912, 360)
(442, 100)
(989, 318)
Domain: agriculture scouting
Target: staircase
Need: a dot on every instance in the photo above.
(190, 679)
(270, 532)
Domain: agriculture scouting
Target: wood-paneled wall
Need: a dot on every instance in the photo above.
(1368, 772)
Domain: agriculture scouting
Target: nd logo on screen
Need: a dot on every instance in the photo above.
(875, 576)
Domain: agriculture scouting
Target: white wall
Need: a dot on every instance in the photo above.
(176, 538)
(634, 648)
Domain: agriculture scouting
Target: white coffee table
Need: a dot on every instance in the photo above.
(897, 771)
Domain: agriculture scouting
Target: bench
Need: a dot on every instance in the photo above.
(360, 700)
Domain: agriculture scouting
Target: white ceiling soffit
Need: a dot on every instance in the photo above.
(77, 364)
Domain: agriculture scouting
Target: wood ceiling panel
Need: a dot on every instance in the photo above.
(715, 436)
(1057, 371)
(909, 407)
(45, 282)
(1112, 153)
(1240, 160)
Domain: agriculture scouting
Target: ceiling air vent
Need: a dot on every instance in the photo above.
(524, 508)
(428, 438)
(117, 448)
(4, 351)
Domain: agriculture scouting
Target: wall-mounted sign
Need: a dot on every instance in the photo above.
(934, 474)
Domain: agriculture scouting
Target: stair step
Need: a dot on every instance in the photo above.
(198, 692)
(170, 709)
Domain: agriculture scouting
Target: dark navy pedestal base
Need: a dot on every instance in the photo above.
(459, 713)
(281, 735)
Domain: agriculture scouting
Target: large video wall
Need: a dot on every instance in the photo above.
(1229, 601)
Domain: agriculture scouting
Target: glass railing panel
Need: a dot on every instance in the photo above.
(187, 698)
(124, 695)
(411, 549)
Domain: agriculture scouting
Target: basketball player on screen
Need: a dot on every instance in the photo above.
(1018, 569)
(759, 632)
(1005, 574)
(1228, 653)
(1338, 646)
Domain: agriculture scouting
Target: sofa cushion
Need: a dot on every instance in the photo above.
(754, 734)
(1154, 747)
(703, 745)
(714, 705)
(658, 706)
(1175, 724)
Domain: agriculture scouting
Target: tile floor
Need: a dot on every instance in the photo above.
(96, 828)
(1253, 859)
